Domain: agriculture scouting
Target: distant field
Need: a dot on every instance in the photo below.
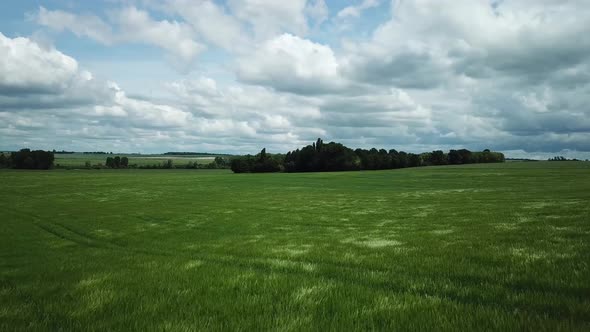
(475, 247)
(80, 159)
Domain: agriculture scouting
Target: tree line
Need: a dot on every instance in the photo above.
(184, 153)
(117, 162)
(123, 162)
(328, 157)
(562, 158)
(27, 159)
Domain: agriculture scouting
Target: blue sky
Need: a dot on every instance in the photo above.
(236, 76)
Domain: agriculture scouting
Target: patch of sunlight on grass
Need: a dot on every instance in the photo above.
(528, 255)
(507, 226)
(193, 264)
(94, 299)
(105, 233)
(442, 231)
(93, 281)
(310, 293)
(283, 263)
(290, 251)
(540, 204)
(373, 242)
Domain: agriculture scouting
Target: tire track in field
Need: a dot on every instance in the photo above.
(71, 234)
(64, 236)
(76, 236)
(355, 275)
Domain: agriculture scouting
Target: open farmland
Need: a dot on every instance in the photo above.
(80, 159)
(477, 247)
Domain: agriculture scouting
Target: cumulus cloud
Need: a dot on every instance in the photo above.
(34, 77)
(75, 109)
(43, 91)
(90, 26)
(271, 17)
(433, 40)
(130, 25)
(318, 11)
(212, 22)
(26, 67)
(511, 75)
(290, 63)
(355, 11)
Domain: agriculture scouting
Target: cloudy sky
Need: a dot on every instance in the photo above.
(238, 75)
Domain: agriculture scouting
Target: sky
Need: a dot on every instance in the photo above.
(235, 76)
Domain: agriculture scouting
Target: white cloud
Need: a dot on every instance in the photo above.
(473, 38)
(355, 11)
(270, 17)
(212, 22)
(511, 75)
(38, 80)
(290, 63)
(26, 67)
(318, 11)
(176, 38)
(81, 25)
(128, 25)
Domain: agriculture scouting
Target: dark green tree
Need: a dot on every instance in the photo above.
(438, 158)
(27, 159)
(466, 156)
(318, 145)
(117, 162)
(220, 162)
(455, 157)
(3, 161)
(414, 160)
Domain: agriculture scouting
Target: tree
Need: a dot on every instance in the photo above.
(438, 158)
(466, 156)
(414, 160)
(27, 159)
(454, 157)
(242, 164)
(124, 162)
(393, 158)
(320, 157)
(306, 159)
(265, 164)
(28, 163)
(262, 155)
(3, 161)
(110, 162)
(220, 162)
(318, 145)
(337, 157)
(403, 159)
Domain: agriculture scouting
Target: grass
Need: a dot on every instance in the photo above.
(479, 247)
(79, 159)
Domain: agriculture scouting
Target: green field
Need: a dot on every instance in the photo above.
(475, 247)
(80, 159)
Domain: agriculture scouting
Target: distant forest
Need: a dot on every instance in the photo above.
(27, 159)
(180, 153)
(330, 157)
(317, 157)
